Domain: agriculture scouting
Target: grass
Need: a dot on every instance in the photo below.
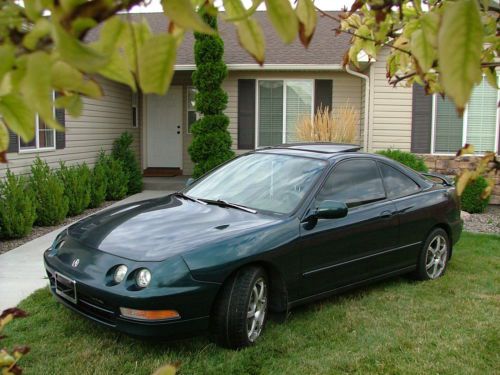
(447, 326)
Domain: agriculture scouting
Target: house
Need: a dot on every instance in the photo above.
(264, 104)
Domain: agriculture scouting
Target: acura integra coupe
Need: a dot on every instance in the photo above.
(265, 232)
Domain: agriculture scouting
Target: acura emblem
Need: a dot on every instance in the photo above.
(75, 263)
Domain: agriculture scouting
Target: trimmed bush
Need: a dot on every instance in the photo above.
(51, 203)
(17, 207)
(211, 144)
(123, 153)
(98, 184)
(471, 196)
(117, 178)
(407, 158)
(76, 180)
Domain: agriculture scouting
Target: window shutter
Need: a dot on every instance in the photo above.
(323, 94)
(246, 114)
(13, 142)
(421, 121)
(60, 136)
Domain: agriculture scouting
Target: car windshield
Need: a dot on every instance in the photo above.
(260, 181)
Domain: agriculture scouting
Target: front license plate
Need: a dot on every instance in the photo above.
(65, 287)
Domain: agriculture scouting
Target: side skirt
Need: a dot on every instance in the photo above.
(344, 288)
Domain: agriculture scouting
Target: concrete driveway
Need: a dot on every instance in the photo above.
(21, 269)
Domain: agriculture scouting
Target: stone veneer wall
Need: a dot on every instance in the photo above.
(450, 165)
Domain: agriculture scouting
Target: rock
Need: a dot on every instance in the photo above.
(465, 216)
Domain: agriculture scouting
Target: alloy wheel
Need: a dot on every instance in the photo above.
(257, 308)
(436, 257)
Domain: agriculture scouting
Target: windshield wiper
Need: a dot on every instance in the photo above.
(223, 203)
(193, 199)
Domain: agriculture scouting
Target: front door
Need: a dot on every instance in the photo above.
(164, 129)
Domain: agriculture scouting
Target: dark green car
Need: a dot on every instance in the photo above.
(265, 232)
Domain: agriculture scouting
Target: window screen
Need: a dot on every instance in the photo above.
(354, 182)
(449, 127)
(396, 183)
(270, 113)
(298, 105)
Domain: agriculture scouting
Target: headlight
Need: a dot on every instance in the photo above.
(143, 278)
(120, 273)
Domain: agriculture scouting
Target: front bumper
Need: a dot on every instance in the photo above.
(103, 307)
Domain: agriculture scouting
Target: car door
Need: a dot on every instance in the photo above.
(412, 210)
(338, 252)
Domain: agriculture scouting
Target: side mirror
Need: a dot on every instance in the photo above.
(189, 181)
(331, 210)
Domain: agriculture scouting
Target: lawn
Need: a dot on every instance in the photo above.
(447, 326)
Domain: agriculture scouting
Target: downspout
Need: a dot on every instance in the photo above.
(367, 103)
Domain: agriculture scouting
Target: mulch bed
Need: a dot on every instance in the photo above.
(6, 245)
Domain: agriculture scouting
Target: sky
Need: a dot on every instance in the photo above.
(154, 5)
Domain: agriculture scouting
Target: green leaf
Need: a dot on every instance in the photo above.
(306, 13)
(460, 42)
(36, 87)
(41, 29)
(67, 78)
(72, 103)
(18, 116)
(491, 76)
(118, 70)
(422, 49)
(7, 59)
(283, 18)
(166, 370)
(76, 53)
(69, 5)
(4, 137)
(182, 13)
(429, 24)
(132, 38)
(110, 35)
(250, 34)
(156, 63)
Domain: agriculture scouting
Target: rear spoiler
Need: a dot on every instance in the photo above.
(445, 180)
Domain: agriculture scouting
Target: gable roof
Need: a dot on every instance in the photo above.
(325, 48)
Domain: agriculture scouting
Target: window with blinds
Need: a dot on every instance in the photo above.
(482, 117)
(480, 122)
(282, 103)
(449, 126)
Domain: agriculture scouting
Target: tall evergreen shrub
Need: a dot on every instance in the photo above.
(76, 180)
(123, 153)
(211, 144)
(98, 184)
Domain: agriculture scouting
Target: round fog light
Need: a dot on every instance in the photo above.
(143, 278)
(120, 273)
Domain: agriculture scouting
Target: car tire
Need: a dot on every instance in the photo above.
(434, 256)
(232, 323)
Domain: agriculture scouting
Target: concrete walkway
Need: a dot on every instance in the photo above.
(21, 269)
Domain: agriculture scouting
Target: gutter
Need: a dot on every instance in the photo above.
(303, 67)
(367, 103)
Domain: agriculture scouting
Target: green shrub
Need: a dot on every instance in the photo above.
(17, 207)
(51, 203)
(76, 180)
(471, 196)
(117, 178)
(123, 153)
(211, 144)
(407, 158)
(98, 184)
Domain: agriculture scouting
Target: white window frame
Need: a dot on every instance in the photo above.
(37, 148)
(464, 126)
(257, 102)
(186, 116)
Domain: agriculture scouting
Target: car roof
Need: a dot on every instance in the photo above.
(321, 150)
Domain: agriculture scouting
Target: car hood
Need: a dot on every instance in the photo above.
(157, 229)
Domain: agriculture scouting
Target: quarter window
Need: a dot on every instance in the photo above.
(281, 105)
(396, 183)
(192, 115)
(354, 182)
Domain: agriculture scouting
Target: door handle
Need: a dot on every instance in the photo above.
(386, 214)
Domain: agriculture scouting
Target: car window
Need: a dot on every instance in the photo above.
(354, 182)
(396, 183)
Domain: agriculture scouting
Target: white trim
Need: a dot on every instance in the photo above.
(433, 124)
(312, 67)
(497, 130)
(367, 104)
(284, 80)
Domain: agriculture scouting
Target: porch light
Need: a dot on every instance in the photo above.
(149, 314)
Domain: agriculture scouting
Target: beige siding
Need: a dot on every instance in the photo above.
(390, 110)
(101, 122)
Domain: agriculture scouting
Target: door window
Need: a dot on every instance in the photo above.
(354, 182)
(396, 183)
